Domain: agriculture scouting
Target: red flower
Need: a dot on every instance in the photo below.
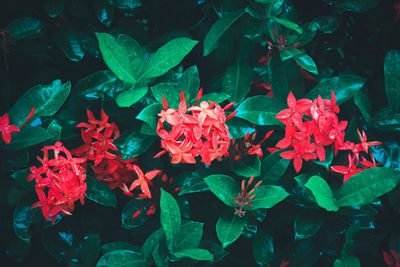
(6, 129)
(302, 150)
(347, 171)
(244, 198)
(62, 177)
(392, 259)
(143, 179)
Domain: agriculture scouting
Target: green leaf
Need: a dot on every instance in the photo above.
(151, 243)
(23, 217)
(28, 136)
(236, 81)
(289, 24)
(93, 86)
(215, 97)
(100, 192)
(307, 63)
(195, 253)
(247, 166)
(356, 5)
(22, 28)
(326, 24)
(126, 4)
(128, 98)
(116, 57)
(68, 40)
(189, 83)
(131, 208)
(307, 225)
(135, 53)
(260, 110)
(387, 121)
(229, 227)
(322, 193)
(344, 86)
(47, 100)
(224, 187)
(347, 261)
(53, 8)
(218, 29)
(392, 79)
(54, 130)
(167, 57)
(89, 252)
(263, 248)
(125, 258)
(169, 91)
(366, 186)
(238, 128)
(170, 219)
(190, 235)
(118, 245)
(21, 177)
(193, 183)
(364, 105)
(279, 80)
(328, 159)
(149, 115)
(267, 196)
(273, 167)
(349, 236)
(135, 145)
(104, 12)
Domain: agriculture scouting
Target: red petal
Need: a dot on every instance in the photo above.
(297, 164)
(288, 155)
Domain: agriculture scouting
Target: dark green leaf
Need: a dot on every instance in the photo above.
(189, 83)
(92, 86)
(224, 187)
(347, 261)
(53, 8)
(392, 79)
(247, 166)
(167, 57)
(322, 193)
(135, 145)
(99, 192)
(387, 121)
(22, 28)
(68, 40)
(344, 86)
(260, 110)
(326, 24)
(356, 5)
(307, 225)
(54, 130)
(170, 219)
(131, 208)
(196, 254)
(126, 4)
(151, 243)
(307, 63)
(22, 219)
(90, 249)
(366, 186)
(193, 183)
(229, 227)
(124, 258)
(279, 81)
(263, 248)
(238, 127)
(364, 105)
(289, 24)
(128, 98)
(149, 115)
(190, 235)
(21, 177)
(118, 245)
(47, 100)
(267, 196)
(28, 136)
(104, 12)
(273, 167)
(236, 81)
(218, 29)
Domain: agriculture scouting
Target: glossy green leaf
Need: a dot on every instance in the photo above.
(347, 261)
(93, 84)
(267, 196)
(229, 227)
(289, 24)
(22, 28)
(100, 192)
(273, 167)
(392, 79)
(132, 208)
(364, 105)
(322, 193)
(128, 98)
(47, 100)
(135, 145)
(53, 8)
(326, 24)
(260, 110)
(89, 252)
(279, 76)
(104, 12)
(169, 91)
(68, 40)
(263, 248)
(116, 57)
(28, 136)
(189, 83)
(151, 243)
(23, 217)
(196, 254)
(224, 187)
(218, 29)
(124, 258)
(126, 4)
(366, 186)
(344, 86)
(118, 245)
(167, 57)
(215, 97)
(349, 236)
(236, 81)
(170, 219)
(149, 115)
(190, 235)
(238, 128)
(307, 224)
(247, 166)
(307, 63)
(54, 130)
(193, 183)
(135, 53)
(385, 120)
(356, 5)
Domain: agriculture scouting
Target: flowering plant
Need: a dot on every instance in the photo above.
(233, 133)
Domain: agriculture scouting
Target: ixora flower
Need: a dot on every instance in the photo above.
(202, 131)
(247, 147)
(60, 181)
(244, 198)
(7, 130)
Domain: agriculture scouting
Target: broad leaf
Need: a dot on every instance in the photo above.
(307, 63)
(196, 254)
(124, 258)
(289, 24)
(307, 225)
(347, 261)
(247, 166)
(273, 167)
(215, 97)
(128, 98)
(193, 183)
(151, 243)
(322, 193)
(22, 28)
(29, 136)
(392, 79)
(68, 40)
(126, 4)
(267, 196)
(170, 219)
(229, 227)
(100, 192)
(104, 12)
(236, 81)
(118, 245)
(53, 8)
(190, 235)
(260, 110)
(89, 252)
(238, 128)
(224, 187)
(366, 186)
(149, 115)
(263, 248)
(356, 5)
(189, 83)
(23, 217)
(364, 105)
(169, 91)
(218, 29)
(137, 207)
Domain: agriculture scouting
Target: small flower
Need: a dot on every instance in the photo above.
(347, 171)
(143, 179)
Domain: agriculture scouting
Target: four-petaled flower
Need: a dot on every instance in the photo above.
(143, 180)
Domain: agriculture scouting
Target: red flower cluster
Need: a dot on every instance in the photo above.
(392, 259)
(238, 150)
(244, 198)
(203, 132)
(6, 129)
(62, 177)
